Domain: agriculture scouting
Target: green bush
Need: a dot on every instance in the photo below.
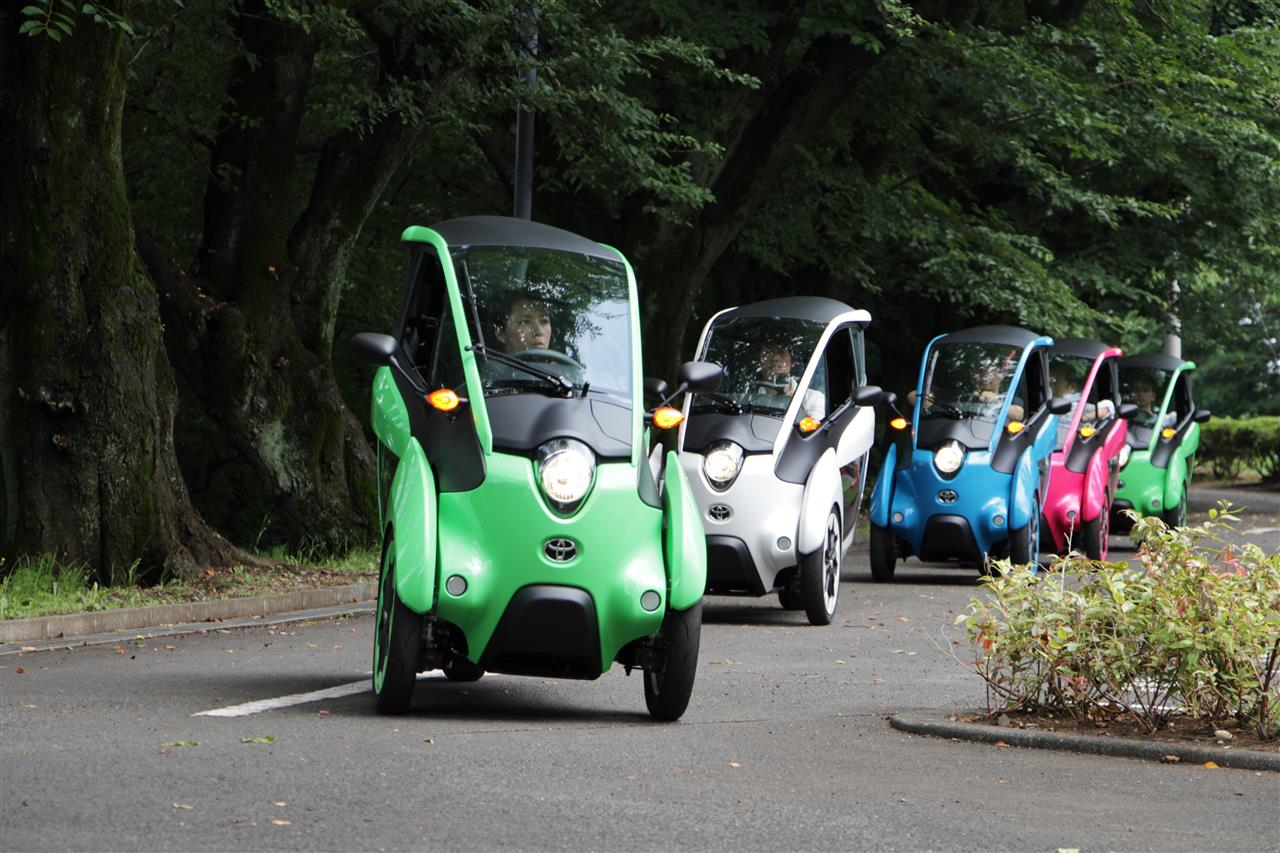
(1195, 630)
(1228, 445)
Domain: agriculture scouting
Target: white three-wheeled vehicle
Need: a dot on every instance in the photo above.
(776, 459)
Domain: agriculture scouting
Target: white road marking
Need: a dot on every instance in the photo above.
(261, 705)
(1253, 530)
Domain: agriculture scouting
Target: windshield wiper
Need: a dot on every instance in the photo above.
(560, 382)
(723, 401)
(946, 409)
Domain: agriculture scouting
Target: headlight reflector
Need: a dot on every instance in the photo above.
(566, 468)
(948, 457)
(722, 463)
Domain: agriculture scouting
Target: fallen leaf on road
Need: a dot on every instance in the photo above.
(27, 649)
(1001, 743)
(170, 648)
(182, 743)
(724, 662)
(1212, 765)
(1002, 781)
(427, 740)
(119, 650)
(323, 712)
(877, 681)
(839, 661)
(26, 705)
(19, 670)
(734, 764)
(281, 803)
(187, 806)
(903, 619)
(262, 739)
(1170, 759)
(281, 822)
(239, 819)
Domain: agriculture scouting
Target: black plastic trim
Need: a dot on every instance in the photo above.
(1165, 447)
(801, 452)
(449, 440)
(744, 430)
(1011, 446)
(521, 423)
(548, 630)
(948, 537)
(1082, 449)
(730, 568)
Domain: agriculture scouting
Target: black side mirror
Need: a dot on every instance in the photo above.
(373, 349)
(654, 387)
(1127, 411)
(1201, 415)
(1059, 405)
(889, 399)
(867, 395)
(700, 376)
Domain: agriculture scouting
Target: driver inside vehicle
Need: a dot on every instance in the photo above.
(776, 379)
(526, 324)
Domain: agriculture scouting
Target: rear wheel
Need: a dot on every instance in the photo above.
(884, 554)
(396, 641)
(820, 574)
(1176, 516)
(666, 693)
(790, 599)
(458, 668)
(1097, 532)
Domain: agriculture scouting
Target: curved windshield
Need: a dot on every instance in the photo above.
(1144, 387)
(1067, 376)
(763, 359)
(970, 380)
(548, 320)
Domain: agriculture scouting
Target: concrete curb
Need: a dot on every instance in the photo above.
(104, 621)
(936, 724)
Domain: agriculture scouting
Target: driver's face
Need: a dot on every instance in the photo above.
(1144, 395)
(528, 326)
(775, 360)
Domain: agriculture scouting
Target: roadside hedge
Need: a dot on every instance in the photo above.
(1228, 445)
(1194, 630)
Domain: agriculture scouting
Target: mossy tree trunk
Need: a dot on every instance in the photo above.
(272, 454)
(86, 393)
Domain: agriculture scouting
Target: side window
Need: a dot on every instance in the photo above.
(814, 403)
(446, 360)
(841, 369)
(420, 329)
(1034, 384)
(859, 354)
(1182, 397)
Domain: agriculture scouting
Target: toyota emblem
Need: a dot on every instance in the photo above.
(560, 550)
(719, 512)
(948, 496)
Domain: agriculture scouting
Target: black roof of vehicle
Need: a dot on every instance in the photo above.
(508, 231)
(1015, 336)
(1084, 347)
(820, 309)
(1157, 360)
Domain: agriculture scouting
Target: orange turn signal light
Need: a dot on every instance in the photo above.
(1015, 427)
(898, 423)
(443, 399)
(1168, 432)
(666, 417)
(808, 424)
(1087, 432)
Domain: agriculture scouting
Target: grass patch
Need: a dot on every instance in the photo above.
(43, 586)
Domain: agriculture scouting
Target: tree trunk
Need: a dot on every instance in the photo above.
(272, 453)
(86, 393)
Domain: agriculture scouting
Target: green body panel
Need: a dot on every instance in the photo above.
(685, 542)
(390, 418)
(1144, 484)
(475, 392)
(413, 524)
(493, 537)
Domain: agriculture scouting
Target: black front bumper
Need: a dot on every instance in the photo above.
(949, 537)
(546, 630)
(730, 569)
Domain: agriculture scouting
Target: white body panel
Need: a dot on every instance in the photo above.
(821, 492)
(764, 509)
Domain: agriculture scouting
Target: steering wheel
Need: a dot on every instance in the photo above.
(547, 355)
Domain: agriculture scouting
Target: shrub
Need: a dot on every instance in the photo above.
(1228, 445)
(1195, 630)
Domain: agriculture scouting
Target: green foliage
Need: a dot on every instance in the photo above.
(1195, 630)
(42, 585)
(1229, 445)
(57, 18)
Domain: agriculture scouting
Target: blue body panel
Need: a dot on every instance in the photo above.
(983, 495)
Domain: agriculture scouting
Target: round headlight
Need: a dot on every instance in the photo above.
(565, 470)
(1124, 455)
(949, 457)
(722, 462)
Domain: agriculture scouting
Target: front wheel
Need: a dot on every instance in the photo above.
(396, 641)
(1023, 544)
(884, 554)
(666, 693)
(1097, 532)
(1176, 516)
(820, 575)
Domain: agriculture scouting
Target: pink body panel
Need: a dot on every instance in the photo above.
(1074, 498)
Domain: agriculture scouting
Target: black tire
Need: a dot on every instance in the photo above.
(884, 554)
(458, 668)
(1096, 533)
(820, 574)
(397, 640)
(666, 693)
(1025, 541)
(790, 599)
(1176, 516)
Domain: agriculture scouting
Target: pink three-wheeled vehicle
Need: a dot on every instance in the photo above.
(1088, 455)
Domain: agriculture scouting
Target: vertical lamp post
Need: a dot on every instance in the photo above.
(523, 208)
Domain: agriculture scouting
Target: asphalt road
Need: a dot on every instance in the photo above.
(785, 746)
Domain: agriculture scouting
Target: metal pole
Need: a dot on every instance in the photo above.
(1173, 338)
(523, 208)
